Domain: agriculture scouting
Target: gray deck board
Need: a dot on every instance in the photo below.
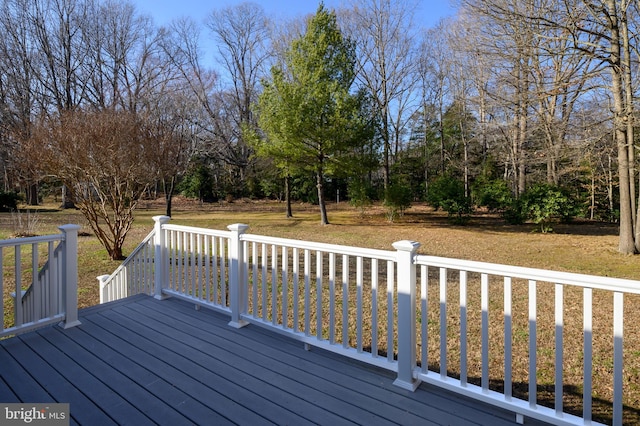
(208, 362)
(56, 383)
(310, 388)
(118, 407)
(205, 386)
(120, 382)
(162, 381)
(143, 361)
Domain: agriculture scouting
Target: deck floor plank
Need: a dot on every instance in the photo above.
(227, 392)
(372, 381)
(439, 406)
(144, 361)
(212, 365)
(168, 383)
(22, 384)
(288, 374)
(119, 408)
(58, 384)
(95, 357)
(6, 393)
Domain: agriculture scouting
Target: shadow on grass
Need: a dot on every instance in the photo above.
(495, 224)
(601, 409)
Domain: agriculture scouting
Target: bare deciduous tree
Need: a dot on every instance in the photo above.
(58, 29)
(18, 97)
(80, 148)
(383, 31)
(242, 36)
(557, 44)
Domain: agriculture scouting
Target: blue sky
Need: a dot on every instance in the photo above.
(163, 11)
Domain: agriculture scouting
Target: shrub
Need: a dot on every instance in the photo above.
(447, 192)
(198, 183)
(459, 210)
(397, 199)
(493, 194)
(9, 201)
(24, 223)
(359, 195)
(543, 204)
(513, 213)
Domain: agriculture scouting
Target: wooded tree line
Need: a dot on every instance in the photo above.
(522, 106)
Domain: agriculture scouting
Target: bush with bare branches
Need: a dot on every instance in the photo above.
(107, 160)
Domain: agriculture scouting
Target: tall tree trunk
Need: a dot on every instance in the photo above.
(627, 240)
(610, 188)
(629, 119)
(523, 107)
(465, 147)
(287, 194)
(482, 113)
(323, 208)
(441, 131)
(387, 150)
(637, 235)
(32, 194)
(67, 201)
(522, 161)
(592, 207)
(168, 193)
(629, 111)
(425, 141)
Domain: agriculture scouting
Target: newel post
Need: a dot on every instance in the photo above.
(406, 251)
(102, 284)
(236, 275)
(161, 269)
(70, 275)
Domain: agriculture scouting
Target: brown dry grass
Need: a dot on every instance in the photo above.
(582, 247)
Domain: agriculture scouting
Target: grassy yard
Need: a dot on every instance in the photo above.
(582, 247)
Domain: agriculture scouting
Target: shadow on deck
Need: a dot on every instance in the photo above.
(143, 361)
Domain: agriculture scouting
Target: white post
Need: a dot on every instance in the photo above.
(70, 275)
(104, 294)
(160, 257)
(236, 275)
(406, 250)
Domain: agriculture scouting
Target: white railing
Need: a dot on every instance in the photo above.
(45, 292)
(41, 278)
(134, 276)
(322, 294)
(476, 298)
(478, 329)
(197, 266)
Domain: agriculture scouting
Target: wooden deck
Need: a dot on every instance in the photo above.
(143, 361)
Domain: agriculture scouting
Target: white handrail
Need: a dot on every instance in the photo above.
(327, 248)
(569, 278)
(448, 274)
(30, 240)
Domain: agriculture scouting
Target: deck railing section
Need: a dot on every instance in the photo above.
(197, 265)
(336, 297)
(45, 293)
(475, 328)
(38, 281)
(472, 298)
(135, 275)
